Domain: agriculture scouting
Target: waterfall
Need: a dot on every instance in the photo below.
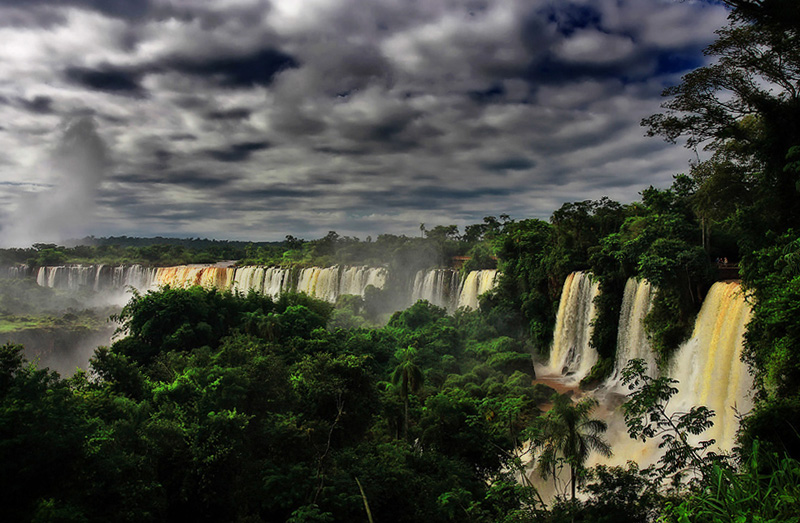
(476, 283)
(276, 281)
(331, 282)
(632, 342)
(438, 286)
(246, 279)
(708, 367)
(571, 354)
(355, 280)
(322, 283)
(15, 271)
(444, 288)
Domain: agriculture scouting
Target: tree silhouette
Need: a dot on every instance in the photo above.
(566, 434)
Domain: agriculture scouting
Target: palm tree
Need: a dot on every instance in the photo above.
(409, 377)
(566, 434)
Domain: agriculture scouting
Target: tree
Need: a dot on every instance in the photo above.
(647, 417)
(566, 434)
(42, 439)
(748, 100)
(409, 377)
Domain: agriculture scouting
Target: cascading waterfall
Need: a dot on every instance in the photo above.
(270, 281)
(96, 277)
(324, 283)
(708, 367)
(15, 271)
(330, 283)
(476, 283)
(438, 286)
(276, 281)
(444, 288)
(248, 278)
(355, 280)
(632, 342)
(571, 355)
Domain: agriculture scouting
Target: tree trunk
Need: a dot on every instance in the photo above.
(572, 481)
(405, 424)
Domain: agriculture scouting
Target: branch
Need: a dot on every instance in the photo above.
(321, 459)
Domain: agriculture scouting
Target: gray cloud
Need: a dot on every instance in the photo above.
(108, 79)
(257, 119)
(237, 152)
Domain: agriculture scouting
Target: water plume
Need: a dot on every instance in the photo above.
(75, 169)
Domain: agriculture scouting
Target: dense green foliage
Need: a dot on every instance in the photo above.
(119, 251)
(215, 407)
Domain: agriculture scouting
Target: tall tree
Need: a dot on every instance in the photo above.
(409, 377)
(747, 105)
(567, 434)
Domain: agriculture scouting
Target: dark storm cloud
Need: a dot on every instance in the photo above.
(192, 179)
(182, 137)
(117, 8)
(132, 9)
(38, 104)
(238, 152)
(569, 16)
(202, 180)
(107, 78)
(258, 68)
(238, 71)
(297, 124)
(426, 197)
(618, 52)
(492, 94)
(24, 184)
(258, 195)
(515, 163)
(260, 117)
(239, 113)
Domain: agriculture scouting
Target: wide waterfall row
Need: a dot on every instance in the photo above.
(444, 288)
(708, 366)
(324, 283)
(96, 277)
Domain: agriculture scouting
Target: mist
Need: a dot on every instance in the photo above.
(74, 170)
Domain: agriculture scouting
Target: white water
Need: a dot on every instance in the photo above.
(324, 283)
(476, 283)
(632, 342)
(444, 288)
(708, 366)
(571, 355)
(438, 286)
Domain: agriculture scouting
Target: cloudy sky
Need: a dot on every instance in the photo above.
(253, 119)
